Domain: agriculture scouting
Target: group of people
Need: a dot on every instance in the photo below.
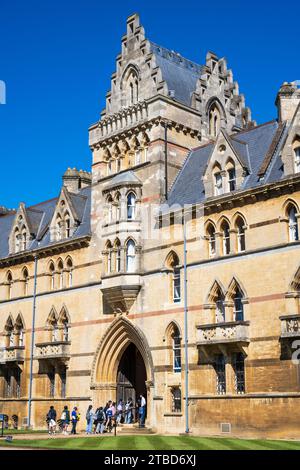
(101, 419)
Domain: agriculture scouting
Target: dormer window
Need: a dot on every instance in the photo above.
(297, 159)
(218, 184)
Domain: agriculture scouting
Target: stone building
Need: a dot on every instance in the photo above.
(102, 264)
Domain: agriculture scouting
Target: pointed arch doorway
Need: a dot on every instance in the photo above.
(123, 365)
(131, 375)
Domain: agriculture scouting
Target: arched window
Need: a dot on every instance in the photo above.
(211, 235)
(118, 255)
(17, 240)
(130, 257)
(60, 270)
(218, 183)
(293, 224)
(220, 307)
(131, 206)
(231, 175)
(69, 272)
(214, 121)
(176, 349)
(25, 281)
(118, 206)
(9, 333)
(9, 283)
(225, 238)
(52, 324)
(108, 250)
(23, 239)
(297, 159)
(19, 331)
(52, 276)
(109, 209)
(238, 305)
(173, 264)
(68, 225)
(64, 325)
(59, 227)
(241, 239)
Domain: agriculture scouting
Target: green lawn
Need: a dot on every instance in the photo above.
(154, 443)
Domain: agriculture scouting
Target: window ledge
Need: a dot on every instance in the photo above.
(173, 415)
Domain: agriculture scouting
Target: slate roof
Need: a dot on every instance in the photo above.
(180, 74)
(251, 145)
(40, 216)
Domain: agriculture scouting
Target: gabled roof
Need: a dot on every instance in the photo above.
(251, 145)
(40, 216)
(180, 74)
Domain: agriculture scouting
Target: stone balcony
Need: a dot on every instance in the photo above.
(290, 326)
(57, 350)
(12, 354)
(221, 337)
(120, 290)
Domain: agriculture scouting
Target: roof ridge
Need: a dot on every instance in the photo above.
(253, 128)
(176, 55)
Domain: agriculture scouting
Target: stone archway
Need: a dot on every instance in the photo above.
(120, 335)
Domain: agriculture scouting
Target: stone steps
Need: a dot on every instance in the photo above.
(133, 429)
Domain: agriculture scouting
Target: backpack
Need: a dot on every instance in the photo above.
(100, 416)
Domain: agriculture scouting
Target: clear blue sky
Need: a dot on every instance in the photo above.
(57, 58)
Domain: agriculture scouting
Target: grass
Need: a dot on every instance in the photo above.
(12, 432)
(153, 443)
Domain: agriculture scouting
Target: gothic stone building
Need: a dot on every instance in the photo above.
(102, 264)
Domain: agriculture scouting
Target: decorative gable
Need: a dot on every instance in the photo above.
(65, 219)
(21, 232)
(226, 167)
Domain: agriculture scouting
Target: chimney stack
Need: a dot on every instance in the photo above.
(75, 180)
(287, 101)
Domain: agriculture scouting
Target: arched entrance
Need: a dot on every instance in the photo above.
(131, 376)
(123, 364)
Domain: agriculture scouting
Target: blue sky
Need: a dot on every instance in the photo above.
(57, 58)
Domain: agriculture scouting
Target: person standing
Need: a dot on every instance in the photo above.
(75, 418)
(101, 417)
(51, 420)
(142, 413)
(89, 419)
(119, 411)
(65, 418)
(128, 411)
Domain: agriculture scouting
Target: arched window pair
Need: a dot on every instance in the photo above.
(58, 326)
(20, 236)
(114, 257)
(63, 224)
(235, 296)
(229, 176)
(14, 332)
